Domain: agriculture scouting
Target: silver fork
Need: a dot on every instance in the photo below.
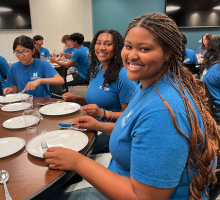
(44, 146)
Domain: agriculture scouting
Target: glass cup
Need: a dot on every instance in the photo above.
(27, 102)
(31, 120)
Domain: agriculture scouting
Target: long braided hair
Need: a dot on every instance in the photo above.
(203, 147)
(211, 56)
(112, 72)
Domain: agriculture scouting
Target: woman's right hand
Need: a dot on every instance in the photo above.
(87, 122)
(69, 97)
(8, 90)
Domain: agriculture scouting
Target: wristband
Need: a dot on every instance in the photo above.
(103, 117)
(107, 116)
(112, 116)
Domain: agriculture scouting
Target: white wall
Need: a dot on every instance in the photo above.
(52, 19)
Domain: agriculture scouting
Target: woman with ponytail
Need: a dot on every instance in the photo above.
(164, 145)
(31, 74)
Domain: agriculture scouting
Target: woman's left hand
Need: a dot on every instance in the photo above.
(61, 158)
(93, 110)
(32, 85)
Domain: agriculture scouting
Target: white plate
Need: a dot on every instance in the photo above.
(16, 107)
(11, 98)
(10, 145)
(70, 139)
(62, 108)
(18, 122)
(54, 64)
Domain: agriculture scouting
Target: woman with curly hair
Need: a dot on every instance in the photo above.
(210, 74)
(164, 145)
(109, 89)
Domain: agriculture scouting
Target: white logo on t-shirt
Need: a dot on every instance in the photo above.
(125, 118)
(104, 88)
(35, 77)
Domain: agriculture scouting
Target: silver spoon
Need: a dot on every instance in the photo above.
(4, 176)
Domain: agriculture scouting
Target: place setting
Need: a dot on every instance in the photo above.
(26, 102)
(70, 139)
(11, 98)
(58, 109)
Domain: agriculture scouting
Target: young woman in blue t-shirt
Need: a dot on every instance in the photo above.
(206, 38)
(109, 89)
(210, 74)
(164, 145)
(30, 75)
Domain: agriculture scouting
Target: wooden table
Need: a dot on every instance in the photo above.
(29, 176)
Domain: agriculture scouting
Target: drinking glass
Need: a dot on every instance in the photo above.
(27, 102)
(31, 120)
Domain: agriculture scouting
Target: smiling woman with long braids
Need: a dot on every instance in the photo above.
(30, 74)
(164, 145)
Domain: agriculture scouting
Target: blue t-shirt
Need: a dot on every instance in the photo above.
(38, 69)
(211, 78)
(80, 56)
(145, 144)
(112, 96)
(69, 51)
(44, 52)
(203, 53)
(190, 57)
(3, 72)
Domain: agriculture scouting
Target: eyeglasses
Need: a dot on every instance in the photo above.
(24, 53)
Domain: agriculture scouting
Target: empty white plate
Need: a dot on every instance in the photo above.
(10, 145)
(18, 122)
(11, 98)
(62, 108)
(16, 107)
(70, 139)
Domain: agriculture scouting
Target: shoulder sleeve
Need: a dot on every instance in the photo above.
(49, 71)
(76, 56)
(198, 50)
(195, 58)
(47, 53)
(126, 88)
(4, 67)
(159, 153)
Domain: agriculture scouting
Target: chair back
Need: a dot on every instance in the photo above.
(56, 91)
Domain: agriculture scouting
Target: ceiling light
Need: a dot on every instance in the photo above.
(172, 8)
(217, 8)
(4, 9)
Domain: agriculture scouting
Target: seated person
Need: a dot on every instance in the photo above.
(162, 147)
(210, 74)
(4, 67)
(79, 58)
(30, 75)
(109, 90)
(206, 38)
(189, 56)
(44, 53)
(68, 52)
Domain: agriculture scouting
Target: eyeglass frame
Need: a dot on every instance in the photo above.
(21, 52)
